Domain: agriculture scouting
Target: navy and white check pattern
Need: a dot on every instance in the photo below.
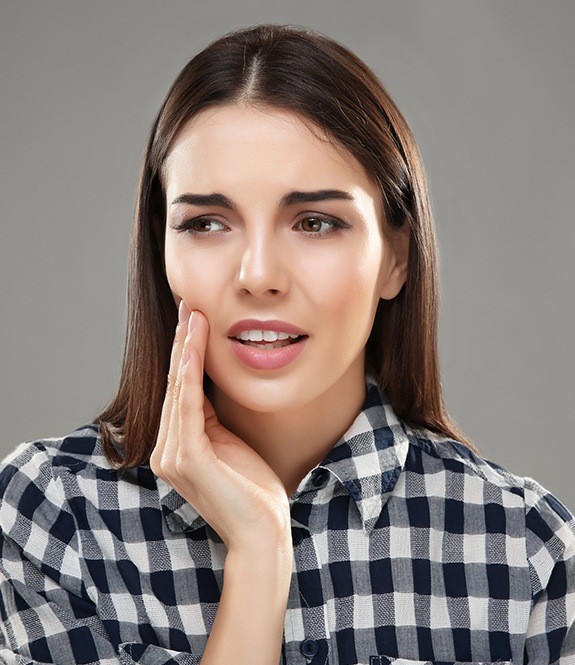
(408, 549)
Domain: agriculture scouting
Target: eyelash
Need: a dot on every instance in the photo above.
(187, 226)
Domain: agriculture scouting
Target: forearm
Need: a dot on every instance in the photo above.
(248, 627)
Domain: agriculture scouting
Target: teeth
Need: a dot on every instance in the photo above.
(265, 335)
(268, 346)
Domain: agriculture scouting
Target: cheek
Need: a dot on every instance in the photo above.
(178, 279)
(346, 290)
(361, 271)
(190, 278)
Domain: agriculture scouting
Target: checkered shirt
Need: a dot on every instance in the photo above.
(408, 549)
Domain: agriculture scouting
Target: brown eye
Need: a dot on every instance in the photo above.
(312, 226)
(199, 226)
(312, 223)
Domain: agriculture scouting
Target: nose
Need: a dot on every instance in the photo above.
(261, 268)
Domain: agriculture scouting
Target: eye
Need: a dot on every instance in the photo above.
(314, 224)
(198, 226)
(208, 226)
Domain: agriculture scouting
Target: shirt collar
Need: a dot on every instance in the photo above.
(367, 461)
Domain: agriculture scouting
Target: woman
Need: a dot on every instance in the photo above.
(279, 480)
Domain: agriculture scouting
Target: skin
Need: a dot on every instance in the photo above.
(263, 261)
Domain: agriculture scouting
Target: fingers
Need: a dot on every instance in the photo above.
(181, 435)
(177, 347)
(191, 416)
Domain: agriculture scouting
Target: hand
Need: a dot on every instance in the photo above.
(225, 480)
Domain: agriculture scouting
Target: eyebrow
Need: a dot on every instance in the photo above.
(217, 199)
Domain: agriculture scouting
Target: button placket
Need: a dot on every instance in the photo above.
(310, 639)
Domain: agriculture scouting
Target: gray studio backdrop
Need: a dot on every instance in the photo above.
(488, 90)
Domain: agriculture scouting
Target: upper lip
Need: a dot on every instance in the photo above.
(257, 324)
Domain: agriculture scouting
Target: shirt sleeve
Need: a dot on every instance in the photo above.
(46, 614)
(550, 636)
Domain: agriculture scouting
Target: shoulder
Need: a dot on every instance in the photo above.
(29, 475)
(509, 502)
(33, 506)
(37, 462)
(52, 482)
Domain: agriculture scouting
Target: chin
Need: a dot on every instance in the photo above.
(263, 394)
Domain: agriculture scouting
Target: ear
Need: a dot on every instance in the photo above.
(396, 270)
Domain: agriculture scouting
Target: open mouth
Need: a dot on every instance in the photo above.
(279, 344)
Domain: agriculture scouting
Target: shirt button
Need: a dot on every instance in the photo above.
(296, 535)
(320, 477)
(308, 648)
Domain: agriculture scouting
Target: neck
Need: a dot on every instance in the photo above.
(294, 441)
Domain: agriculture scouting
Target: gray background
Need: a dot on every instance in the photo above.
(487, 88)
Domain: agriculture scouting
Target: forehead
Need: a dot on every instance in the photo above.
(236, 142)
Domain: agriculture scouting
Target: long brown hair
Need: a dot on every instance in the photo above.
(301, 70)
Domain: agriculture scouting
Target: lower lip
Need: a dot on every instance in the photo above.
(272, 359)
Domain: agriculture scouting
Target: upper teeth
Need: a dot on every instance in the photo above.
(265, 335)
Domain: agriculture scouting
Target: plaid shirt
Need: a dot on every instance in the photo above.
(408, 549)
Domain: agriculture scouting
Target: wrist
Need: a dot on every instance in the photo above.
(271, 541)
(272, 559)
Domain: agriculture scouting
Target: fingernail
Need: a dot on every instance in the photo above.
(192, 323)
(183, 312)
(185, 356)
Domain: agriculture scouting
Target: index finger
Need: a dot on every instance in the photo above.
(191, 416)
(177, 347)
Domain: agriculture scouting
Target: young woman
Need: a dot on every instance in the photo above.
(277, 479)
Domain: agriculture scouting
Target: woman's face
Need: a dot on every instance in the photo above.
(320, 265)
